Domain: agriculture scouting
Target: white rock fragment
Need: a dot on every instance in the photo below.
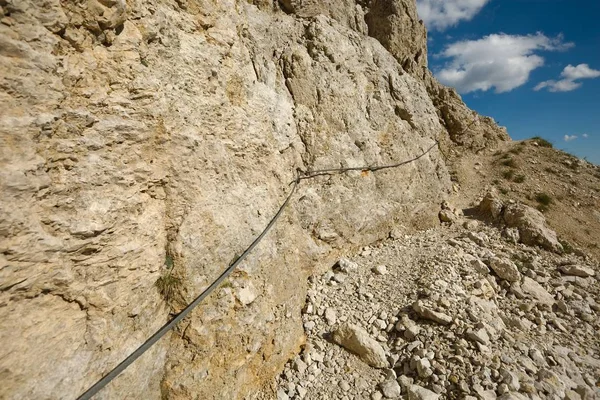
(330, 316)
(431, 315)
(412, 332)
(380, 270)
(416, 392)
(424, 368)
(282, 395)
(479, 266)
(577, 270)
(536, 291)
(247, 294)
(480, 336)
(358, 341)
(505, 269)
(347, 266)
(390, 389)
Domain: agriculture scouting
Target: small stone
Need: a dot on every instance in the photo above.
(503, 388)
(505, 269)
(424, 368)
(358, 341)
(282, 395)
(447, 216)
(390, 388)
(376, 396)
(572, 395)
(416, 392)
(511, 379)
(309, 326)
(479, 266)
(480, 336)
(412, 332)
(404, 381)
(380, 270)
(577, 270)
(247, 294)
(431, 315)
(330, 316)
(300, 366)
(301, 391)
(470, 224)
(537, 357)
(513, 396)
(536, 291)
(345, 386)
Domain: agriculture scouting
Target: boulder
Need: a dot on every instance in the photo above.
(532, 227)
(491, 206)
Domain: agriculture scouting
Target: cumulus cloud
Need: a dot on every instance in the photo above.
(442, 14)
(498, 61)
(568, 138)
(569, 75)
(585, 135)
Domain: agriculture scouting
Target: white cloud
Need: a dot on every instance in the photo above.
(582, 71)
(563, 85)
(442, 14)
(585, 135)
(569, 75)
(498, 61)
(568, 138)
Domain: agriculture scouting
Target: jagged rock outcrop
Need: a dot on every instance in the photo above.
(149, 139)
(530, 223)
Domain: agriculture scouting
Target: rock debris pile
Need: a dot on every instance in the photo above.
(463, 312)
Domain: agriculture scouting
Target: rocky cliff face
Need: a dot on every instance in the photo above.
(143, 139)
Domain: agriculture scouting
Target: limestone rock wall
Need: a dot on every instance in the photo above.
(140, 139)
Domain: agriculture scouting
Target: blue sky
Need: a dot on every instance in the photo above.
(532, 65)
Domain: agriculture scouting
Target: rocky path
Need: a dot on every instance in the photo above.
(457, 313)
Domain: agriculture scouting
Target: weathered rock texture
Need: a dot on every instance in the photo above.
(144, 136)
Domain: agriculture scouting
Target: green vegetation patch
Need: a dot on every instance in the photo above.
(542, 142)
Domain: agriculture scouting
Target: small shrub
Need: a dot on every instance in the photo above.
(516, 150)
(503, 190)
(567, 248)
(167, 286)
(543, 199)
(542, 142)
(550, 170)
(509, 162)
(169, 262)
(508, 174)
(496, 182)
(519, 178)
